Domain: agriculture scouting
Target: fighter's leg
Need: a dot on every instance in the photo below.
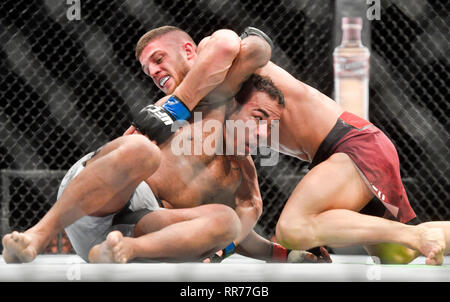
(101, 188)
(177, 234)
(323, 210)
(254, 53)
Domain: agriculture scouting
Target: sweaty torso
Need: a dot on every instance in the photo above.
(190, 179)
(307, 117)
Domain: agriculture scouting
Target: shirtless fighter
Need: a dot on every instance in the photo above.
(354, 176)
(213, 178)
(130, 174)
(102, 183)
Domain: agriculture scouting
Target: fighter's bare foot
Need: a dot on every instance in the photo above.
(432, 245)
(17, 248)
(115, 249)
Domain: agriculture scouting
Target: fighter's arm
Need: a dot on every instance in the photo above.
(215, 57)
(255, 52)
(258, 247)
(248, 206)
(223, 56)
(248, 201)
(209, 70)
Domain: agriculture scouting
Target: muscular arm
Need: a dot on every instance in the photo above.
(248, 202)
(223, 56)
(249, 208)
(254, 53)
(255, 246)
(215, 57)
(248, 199)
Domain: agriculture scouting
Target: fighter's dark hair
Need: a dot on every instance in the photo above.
(262, 84)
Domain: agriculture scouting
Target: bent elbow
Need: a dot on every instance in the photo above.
(227, 43)
(255, 50)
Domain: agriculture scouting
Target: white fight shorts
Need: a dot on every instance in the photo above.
(91, 230)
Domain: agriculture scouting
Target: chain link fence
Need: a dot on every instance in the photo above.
(410, 97)
(67, 87)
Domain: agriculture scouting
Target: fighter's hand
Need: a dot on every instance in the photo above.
(296, 256)
(156, 121)
(321, 254)
(130, 130)
(314, 255)
(253, 31)
(221, 255)
(214, 258)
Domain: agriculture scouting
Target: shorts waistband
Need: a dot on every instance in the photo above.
(339, 130)
(346, 121)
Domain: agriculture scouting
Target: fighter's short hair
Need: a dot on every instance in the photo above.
(262, 84)
(156, 33)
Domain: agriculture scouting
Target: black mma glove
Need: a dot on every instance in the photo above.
(156, 121)
(314, 255)
(252, 31)
(221, 255)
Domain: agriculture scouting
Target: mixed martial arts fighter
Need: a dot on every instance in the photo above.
(353, 193)
(116, 187)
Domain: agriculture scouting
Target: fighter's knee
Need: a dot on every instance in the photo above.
(139, 152)
(285, 234)
(224, 222)
(296, 234)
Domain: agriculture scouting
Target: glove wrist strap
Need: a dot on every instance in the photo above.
(279, 253)
(175, 107)
(229, 250)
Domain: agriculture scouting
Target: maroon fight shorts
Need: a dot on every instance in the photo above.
(377, 159)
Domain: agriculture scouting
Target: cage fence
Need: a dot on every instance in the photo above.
(67, 88)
